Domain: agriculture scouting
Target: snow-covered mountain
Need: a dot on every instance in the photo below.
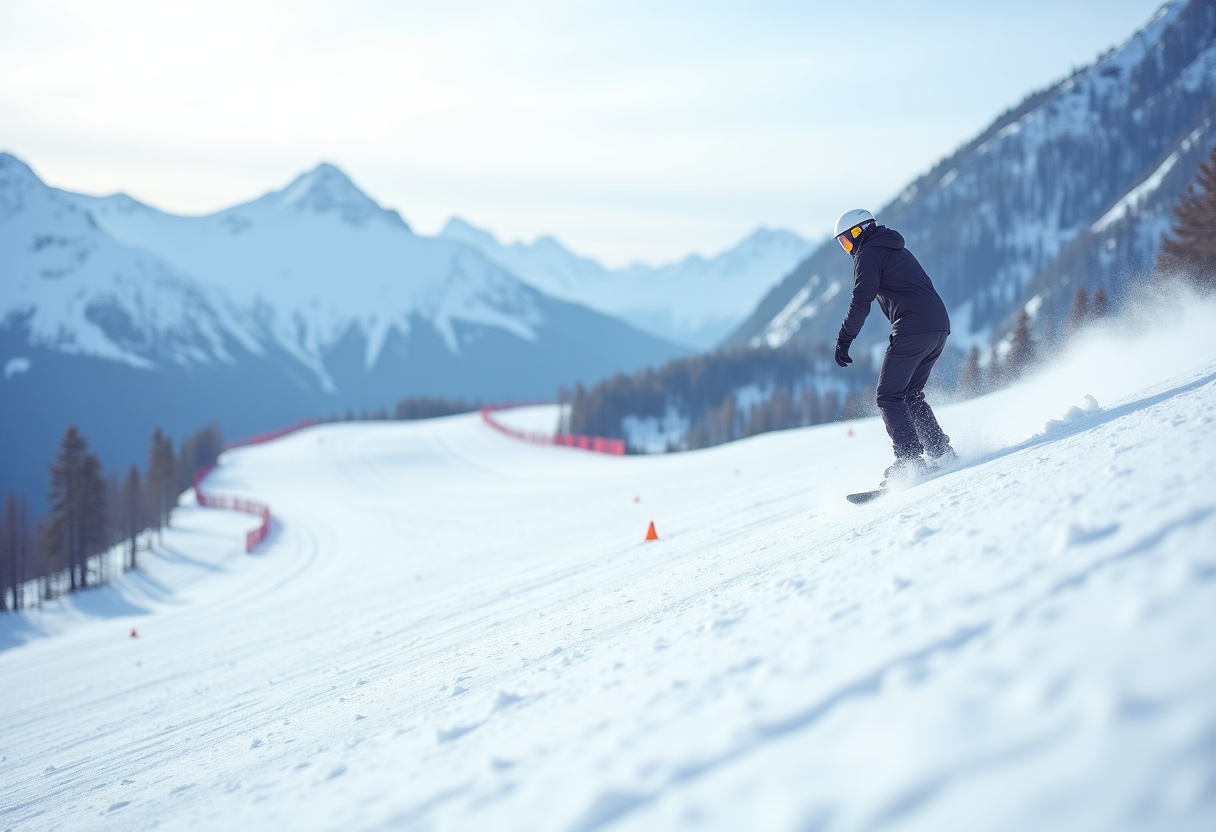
(308, 301)
(1070, 188)
(320, 259)
(73, 288)
(452, 630)
(696, 301)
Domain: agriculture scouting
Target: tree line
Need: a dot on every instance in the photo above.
(793, 387)
(1188, 250)
(409, 409)
(75, 546)
(1025, 346)
(90, 513)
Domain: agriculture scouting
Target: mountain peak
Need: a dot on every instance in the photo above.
(13, 170)
(465, 232)
(7, 159)
(327, 190)
(17, 182)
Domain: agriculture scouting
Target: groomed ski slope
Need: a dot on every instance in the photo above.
(449, 629)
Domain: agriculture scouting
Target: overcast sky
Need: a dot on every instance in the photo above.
(629, 130)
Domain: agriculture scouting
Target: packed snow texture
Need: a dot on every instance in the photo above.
(449, 629)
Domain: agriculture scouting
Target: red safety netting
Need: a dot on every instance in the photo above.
(255, 536)
(599, 444)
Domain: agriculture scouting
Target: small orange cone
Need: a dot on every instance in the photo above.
(850, 431)
(651, 534)
(637, 499)
(133, 633)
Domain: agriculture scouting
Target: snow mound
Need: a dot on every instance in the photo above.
(1072, 415)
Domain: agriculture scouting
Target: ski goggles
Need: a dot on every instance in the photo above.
(846, 238)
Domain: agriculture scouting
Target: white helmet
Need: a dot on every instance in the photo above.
(850, 226)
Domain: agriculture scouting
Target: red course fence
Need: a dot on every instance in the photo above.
(598, 444)
(256, 536)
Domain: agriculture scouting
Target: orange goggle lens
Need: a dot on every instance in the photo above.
(846, 238)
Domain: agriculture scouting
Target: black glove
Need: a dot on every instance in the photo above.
(842, 354)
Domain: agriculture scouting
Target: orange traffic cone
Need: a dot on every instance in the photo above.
(651, 534)
(133, 633)
(637, 499)
(850, 431)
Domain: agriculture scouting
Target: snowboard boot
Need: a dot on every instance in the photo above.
(946, 457)
(905, 471)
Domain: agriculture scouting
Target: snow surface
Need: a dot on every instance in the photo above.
(538, 420)
(449, 629)
(17, 366)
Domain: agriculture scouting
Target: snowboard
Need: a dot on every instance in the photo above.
(869, 496)
(866, 496)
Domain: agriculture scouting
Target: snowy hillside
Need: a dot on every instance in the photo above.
(697, 301)
(448, 629)
(1071, 188)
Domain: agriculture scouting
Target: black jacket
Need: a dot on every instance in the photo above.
(883, 268)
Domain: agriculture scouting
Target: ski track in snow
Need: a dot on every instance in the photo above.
(448, 629)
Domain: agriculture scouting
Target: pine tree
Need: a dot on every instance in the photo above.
(579, 417)
(14, 549)
(132, 512)
(829, 407)
(783, 413)
(1190, 247)
(970, 379)
(8, 577)
(95, 522)
(200, 449)
(161, 481)
(63, 532)
(852, 405)
(720, 422)
(1080, 310)
(1100, 303)
(563, 414)
(77, 522)
(1021, 346)
(808, 407)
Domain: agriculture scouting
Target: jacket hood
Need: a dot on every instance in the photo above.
(882, 236)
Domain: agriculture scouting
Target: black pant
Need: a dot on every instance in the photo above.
(901, 394)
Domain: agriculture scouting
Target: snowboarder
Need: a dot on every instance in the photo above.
(883, 268)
